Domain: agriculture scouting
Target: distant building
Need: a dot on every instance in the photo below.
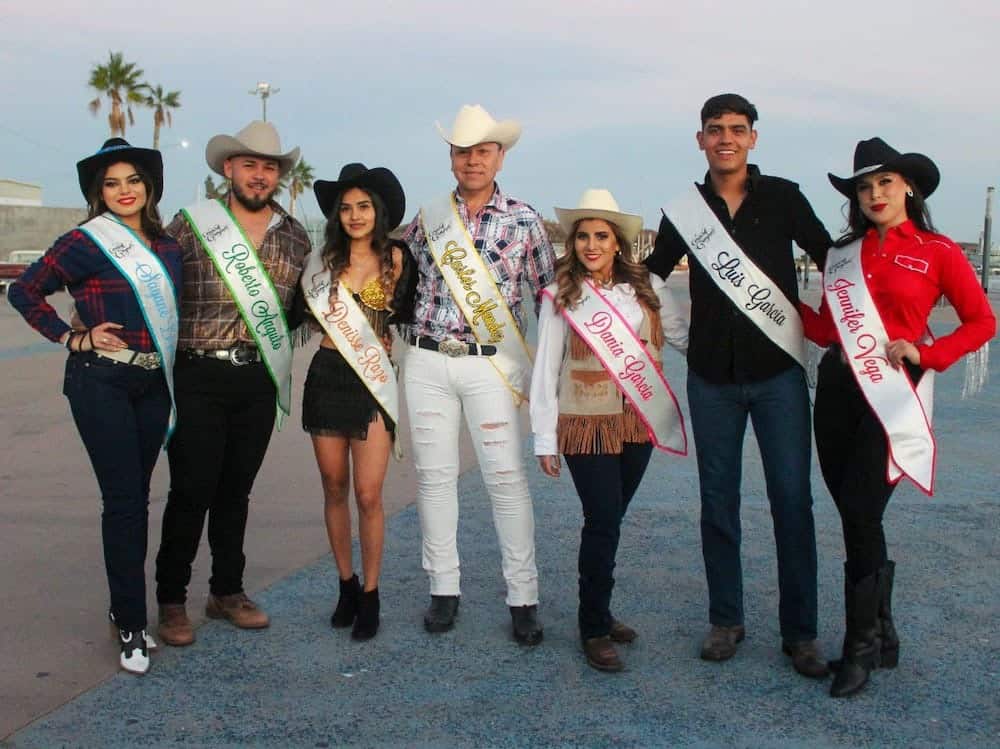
(19, 193)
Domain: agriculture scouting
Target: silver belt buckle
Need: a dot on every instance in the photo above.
(452, 347)
(237, 356)
(147, 360)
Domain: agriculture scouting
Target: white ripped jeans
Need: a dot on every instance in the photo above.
(438, 389)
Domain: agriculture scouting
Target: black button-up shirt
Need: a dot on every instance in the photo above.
(725, 347)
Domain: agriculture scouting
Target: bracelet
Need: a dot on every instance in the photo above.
(90, 337)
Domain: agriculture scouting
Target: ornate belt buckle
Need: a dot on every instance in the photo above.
(238, 356)
(452, 347)
(147, 360)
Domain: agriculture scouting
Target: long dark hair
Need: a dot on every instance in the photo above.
(336, 252)
(858, 224)
(570, 272)
(152, 225)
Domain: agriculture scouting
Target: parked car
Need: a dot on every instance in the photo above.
(15, 265)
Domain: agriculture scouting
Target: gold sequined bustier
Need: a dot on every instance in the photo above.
(374, 304)
(373, 295)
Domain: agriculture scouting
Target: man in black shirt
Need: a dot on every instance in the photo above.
(742, 362)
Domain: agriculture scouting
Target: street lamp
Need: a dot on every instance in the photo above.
(264, 91)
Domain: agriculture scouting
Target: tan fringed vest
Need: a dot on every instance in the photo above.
(594, 416)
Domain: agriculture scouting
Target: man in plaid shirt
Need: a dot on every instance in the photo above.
(225, 394)
(448, 372)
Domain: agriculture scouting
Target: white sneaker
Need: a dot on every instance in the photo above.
(134, 657)
(150, 642)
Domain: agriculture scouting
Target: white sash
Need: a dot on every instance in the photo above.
(904, 411)
(354, 336)
(631, 367)
(153, 289)
(250, 286)
(753, 292)
(476, 293)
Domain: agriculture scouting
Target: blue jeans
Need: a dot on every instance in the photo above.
(121, 412)
(606, 483)
(779, 409)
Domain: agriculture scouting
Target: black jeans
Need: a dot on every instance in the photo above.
(606, 484)
(225, 416)
(853, 454)
(121, 412)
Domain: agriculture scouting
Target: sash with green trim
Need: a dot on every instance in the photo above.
(237, 263)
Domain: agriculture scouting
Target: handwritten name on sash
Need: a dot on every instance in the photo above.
(264, 323)
(368, 357)
(237, 264)
(482, 311)
(632, 366)
(758, 296)
(862, 349)
(150, 277)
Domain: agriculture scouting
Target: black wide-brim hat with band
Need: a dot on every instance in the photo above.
(875, 155)
(115, 150)
(379, 180)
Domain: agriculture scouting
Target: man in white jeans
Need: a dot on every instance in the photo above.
(475, 247)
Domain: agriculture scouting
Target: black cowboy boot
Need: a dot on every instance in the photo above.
(347, 604)
(366, 625)
(861, 643)
(890, 639)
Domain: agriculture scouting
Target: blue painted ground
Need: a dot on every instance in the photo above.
(300, 684)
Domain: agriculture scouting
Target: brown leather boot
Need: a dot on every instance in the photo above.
(621, 632)
(601, 654)
(175, 628)
(238, 610)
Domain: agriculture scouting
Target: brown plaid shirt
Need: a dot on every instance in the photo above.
(210, 318)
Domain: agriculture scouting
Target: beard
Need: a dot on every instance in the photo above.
(250, 202)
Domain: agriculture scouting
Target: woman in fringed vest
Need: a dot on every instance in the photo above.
(884, 277)
(123, 272)
(578, 410)
(361, 282)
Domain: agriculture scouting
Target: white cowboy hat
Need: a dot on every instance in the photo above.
(256, 139)
(473, 125)
(599, 203)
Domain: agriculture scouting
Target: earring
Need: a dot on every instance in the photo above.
(909, 193)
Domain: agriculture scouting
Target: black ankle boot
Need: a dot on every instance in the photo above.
(347, 604)
(366, 625)
(861, 643)
(890, 639)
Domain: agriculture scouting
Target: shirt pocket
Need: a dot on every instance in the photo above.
(505, 256)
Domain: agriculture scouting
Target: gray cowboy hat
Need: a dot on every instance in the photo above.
(256, 139)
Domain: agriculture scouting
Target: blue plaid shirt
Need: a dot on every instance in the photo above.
(512, 242)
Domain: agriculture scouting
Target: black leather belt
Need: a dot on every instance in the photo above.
(451, 346)
(237, 355)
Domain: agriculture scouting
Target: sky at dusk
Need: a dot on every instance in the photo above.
(608, 94)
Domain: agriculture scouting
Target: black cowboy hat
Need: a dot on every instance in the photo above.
(379, 180)
(118, 149)
(875, 155)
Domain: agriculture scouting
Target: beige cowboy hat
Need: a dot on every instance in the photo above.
(599, 203)
(256, 139)
(473, 125)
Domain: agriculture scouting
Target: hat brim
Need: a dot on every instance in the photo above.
(915, 167)
(148, 158)
(629, 223)
(378, 180)
(222, 147)
(505, 132)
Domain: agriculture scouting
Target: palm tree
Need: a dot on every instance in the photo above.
(300, 179)
(120, 82)
(161, 102)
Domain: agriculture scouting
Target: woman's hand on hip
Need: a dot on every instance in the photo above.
(549, 465)
(901, 349)
(104, 340)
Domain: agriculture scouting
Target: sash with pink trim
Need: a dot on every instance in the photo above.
(903, 410)
(632, 369)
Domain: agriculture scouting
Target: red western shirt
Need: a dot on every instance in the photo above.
(906, 276)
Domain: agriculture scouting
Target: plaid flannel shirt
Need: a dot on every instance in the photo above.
(512, 242)
(101, 292)
(210, 318)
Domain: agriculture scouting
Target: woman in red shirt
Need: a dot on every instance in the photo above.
(884, 277)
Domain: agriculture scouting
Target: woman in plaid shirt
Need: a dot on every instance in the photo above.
(115, 380)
